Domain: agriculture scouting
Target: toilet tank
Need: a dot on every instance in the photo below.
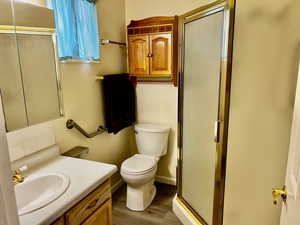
(152, 139)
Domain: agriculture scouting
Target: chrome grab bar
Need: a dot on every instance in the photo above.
(70, 124)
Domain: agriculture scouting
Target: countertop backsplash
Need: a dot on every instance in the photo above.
(29, 140)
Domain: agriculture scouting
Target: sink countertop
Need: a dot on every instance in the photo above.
(84, 176)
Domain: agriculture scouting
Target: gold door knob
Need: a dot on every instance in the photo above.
(279, 193)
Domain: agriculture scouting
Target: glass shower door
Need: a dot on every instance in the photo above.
(202, 54)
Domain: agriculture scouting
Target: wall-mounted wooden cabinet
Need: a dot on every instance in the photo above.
(153, 49)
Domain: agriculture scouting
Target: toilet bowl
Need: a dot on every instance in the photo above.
(140, 181)
(139, 170)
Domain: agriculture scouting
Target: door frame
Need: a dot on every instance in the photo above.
(8, 205)
(228, 6)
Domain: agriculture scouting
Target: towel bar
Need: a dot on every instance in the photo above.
(70, 124)
(99, 77)
(106, 42)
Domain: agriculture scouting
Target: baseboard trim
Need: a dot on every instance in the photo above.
(165, 180)
(116, 186)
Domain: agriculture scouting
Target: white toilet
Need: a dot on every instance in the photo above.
(139, 170)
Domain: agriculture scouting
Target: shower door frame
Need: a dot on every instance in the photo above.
(228, 7)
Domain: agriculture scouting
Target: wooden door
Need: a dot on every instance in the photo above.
(103, 216)
(290, 211)
(138, 55)
(8, 208)
(161, 55)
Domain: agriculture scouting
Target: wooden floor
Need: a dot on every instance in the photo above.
(159, 213)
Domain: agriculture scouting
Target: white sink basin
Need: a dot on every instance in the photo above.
(40, 190)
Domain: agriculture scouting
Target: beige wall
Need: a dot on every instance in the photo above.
(157, 103)
(82, 94)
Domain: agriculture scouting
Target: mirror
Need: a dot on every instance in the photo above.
(10, 75)
(29, 81)
(39, 77)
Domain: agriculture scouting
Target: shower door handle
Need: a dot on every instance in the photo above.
(217, 131)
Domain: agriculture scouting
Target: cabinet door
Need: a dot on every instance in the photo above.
(39, 73)
(161, 55)
(138, 55)
(11, 88)
(103, 216)
(89, 205)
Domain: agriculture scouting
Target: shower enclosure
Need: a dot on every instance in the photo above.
(203, 109)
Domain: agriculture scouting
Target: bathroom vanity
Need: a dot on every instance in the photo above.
(86, 200)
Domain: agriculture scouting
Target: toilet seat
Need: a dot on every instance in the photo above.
(138, 164)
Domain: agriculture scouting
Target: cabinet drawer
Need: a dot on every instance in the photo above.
(88, 205)
(102, 216)
(60, 221)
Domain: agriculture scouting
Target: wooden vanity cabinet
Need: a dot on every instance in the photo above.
(103, 215)
(60, 221)
(153, 49)
(94, 209)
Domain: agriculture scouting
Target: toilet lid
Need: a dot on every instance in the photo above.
(138, 164)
